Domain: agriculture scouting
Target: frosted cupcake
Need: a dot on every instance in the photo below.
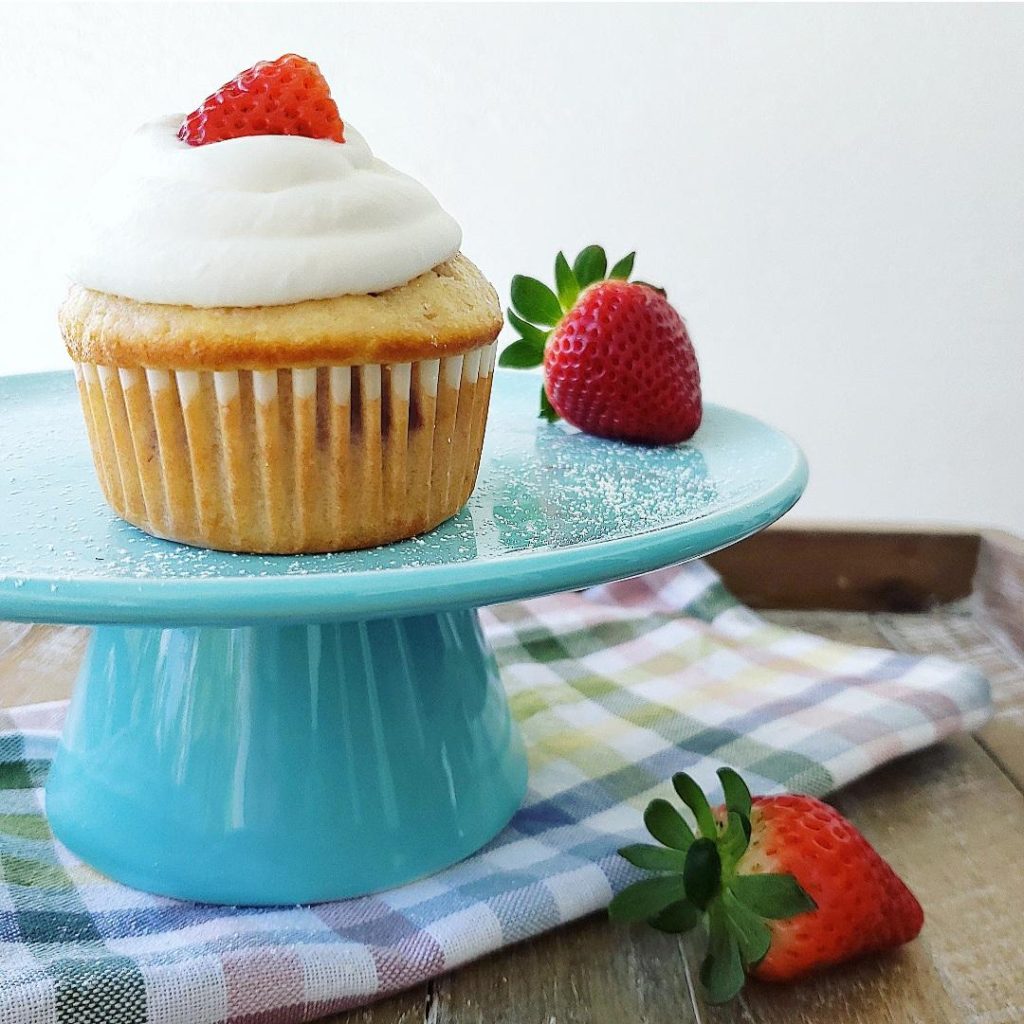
(278, 345)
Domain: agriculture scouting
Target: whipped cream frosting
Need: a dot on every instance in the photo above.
(264, 220)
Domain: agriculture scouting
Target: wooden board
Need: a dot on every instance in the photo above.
(951, 819)
(851, 570)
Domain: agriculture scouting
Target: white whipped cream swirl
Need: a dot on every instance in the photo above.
(264, 220)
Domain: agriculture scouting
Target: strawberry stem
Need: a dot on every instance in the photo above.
(706, 884)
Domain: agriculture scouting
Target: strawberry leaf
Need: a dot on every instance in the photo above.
(547, 410)
(733, 842)
(693, 796)
(676, 918)
(534, 335)
(721, 973)
(590, 266)
(622, 269)
(521, 355)
(654, 858)
(737, 796)
(566, 283)
(751, 932)
(775, 897)
(702, 872)
(535, 301)
(667, 825)
(644, 899)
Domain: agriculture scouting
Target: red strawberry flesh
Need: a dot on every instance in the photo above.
(288, 96)
(862, 904)
(620, 364)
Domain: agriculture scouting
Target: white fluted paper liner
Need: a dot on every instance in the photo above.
(294, 460)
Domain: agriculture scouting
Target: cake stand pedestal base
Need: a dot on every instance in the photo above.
(279, 764)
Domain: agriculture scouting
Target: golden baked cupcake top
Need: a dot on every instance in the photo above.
(448, 310)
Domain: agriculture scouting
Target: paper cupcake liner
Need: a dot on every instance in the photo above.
(293, 460)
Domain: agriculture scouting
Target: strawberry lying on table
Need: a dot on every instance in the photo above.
(617, 357)
(785, 884)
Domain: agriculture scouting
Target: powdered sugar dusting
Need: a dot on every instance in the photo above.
(542, 488)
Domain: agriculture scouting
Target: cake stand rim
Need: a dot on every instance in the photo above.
(406, 590)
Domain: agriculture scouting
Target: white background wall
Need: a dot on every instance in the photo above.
(833, 195)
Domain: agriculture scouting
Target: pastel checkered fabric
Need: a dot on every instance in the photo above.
(615, 688)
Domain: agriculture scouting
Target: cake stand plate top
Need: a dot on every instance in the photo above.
(553, 510)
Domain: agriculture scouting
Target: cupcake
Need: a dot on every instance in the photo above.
(278, 345)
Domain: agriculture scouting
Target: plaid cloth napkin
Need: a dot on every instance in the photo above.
(616, 688)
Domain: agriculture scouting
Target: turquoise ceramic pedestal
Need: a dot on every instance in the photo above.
(285, 764)
(263, 730)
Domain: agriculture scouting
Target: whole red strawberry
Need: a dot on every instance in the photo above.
(287, 96)
(618, 361)
(862, 904)
(786, 884)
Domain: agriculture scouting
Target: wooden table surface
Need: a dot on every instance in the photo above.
(950, 819)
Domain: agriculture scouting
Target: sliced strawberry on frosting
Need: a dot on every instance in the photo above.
(288, 96)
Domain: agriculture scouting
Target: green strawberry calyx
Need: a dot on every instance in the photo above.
(695, 879)
(537, 310)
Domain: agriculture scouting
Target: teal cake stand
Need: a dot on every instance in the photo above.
(276, 729)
